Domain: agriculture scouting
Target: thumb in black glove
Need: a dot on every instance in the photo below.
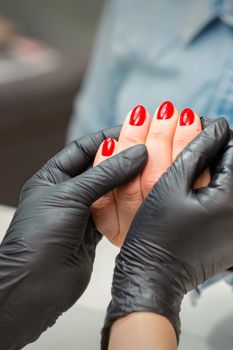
(47, 255)
(179, 237)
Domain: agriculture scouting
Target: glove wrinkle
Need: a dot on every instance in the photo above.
(179, 237)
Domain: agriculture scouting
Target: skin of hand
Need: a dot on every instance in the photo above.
(142, 330)
(164, 136)
(47, 254)
(180, 236)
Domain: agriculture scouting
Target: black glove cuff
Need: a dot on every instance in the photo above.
(144, 284)
(115, 312)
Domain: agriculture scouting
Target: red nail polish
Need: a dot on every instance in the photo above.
(108, 147)
(166, 110)
(138, 116)
(187, 117)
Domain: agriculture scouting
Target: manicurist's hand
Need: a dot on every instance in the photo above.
(47, 255)
(179, 237)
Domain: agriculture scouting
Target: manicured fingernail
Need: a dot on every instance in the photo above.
(108, 147)
(138, 116)
(187, 117)
(166, 110)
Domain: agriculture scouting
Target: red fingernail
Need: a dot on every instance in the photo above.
(187, 117)
(108, 147)
(166, 110)
(138, 116)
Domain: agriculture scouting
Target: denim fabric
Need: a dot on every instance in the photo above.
(150, 51)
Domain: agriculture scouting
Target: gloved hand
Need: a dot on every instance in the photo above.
(179, 237)
(47, 255)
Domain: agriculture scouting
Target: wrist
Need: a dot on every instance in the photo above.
(142, 330)
(148, 284)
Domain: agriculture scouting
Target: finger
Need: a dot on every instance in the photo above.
(206, 121)
(104, 210)
(159, 145)
(76, 157)
(106, 149)
(222, 178)
(111, 173)
(204, 149)
(129, 196)
(187, 128)
(134, 129)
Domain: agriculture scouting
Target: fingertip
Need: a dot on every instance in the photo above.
(206, 121)
(189, 118)
(135, 128)
(223, 124)
(138, 116)
(165, 111)
(106, 149)
(187, 128)
(219, 130)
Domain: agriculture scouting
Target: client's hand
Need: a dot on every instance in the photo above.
(179, 237)
(165, 137)
(47, 254)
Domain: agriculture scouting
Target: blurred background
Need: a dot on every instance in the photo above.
(136, 52)
(145, 52)
(44, 50)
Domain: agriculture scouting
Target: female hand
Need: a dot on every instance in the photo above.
(180, 237)
(165, 136)
(47, 255)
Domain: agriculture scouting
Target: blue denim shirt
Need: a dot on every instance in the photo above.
(150, 51)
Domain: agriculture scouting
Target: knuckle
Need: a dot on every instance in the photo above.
(181, 141)
(160, 135)
(102, 204)
(129, 139)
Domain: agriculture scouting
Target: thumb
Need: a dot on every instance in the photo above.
(109, 174)
(223, 174)
(197, 156)
(206, 121)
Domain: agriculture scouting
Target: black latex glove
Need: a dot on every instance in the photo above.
(47, 255)
(179, 237)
